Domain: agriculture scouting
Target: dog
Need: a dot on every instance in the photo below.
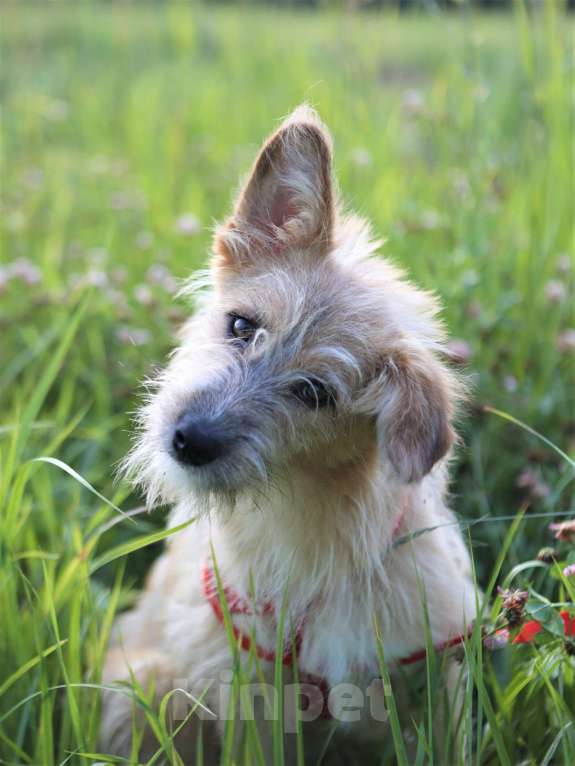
(305, 424)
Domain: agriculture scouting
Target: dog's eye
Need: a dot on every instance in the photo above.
(241, 328)
(313, 393)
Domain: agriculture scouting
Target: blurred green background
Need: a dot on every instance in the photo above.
(126, 127)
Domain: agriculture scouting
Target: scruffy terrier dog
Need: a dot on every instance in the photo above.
(305, 422)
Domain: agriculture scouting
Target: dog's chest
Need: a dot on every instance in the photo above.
(333, 638)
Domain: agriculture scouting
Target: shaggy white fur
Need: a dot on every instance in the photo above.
(301, 509)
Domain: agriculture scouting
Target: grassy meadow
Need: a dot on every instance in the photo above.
(125, 129)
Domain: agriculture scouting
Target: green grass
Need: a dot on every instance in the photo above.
(454, 134)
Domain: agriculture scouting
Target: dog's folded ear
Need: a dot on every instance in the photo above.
(287, 202)
(413, 397)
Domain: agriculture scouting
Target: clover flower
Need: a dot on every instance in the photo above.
(513, 605)
(563, 530)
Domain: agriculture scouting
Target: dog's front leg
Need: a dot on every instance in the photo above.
(124, 720)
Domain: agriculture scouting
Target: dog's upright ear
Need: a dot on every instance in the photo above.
(287, 202)
(413, 398)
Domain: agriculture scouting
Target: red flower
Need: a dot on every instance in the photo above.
(528, 632)
(568, 623)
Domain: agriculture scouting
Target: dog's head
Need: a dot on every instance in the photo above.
(306, 351)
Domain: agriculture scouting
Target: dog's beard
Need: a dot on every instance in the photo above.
(241, 470)
(263, 437)
(164, 481)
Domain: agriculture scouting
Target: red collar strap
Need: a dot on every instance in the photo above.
(238, 605)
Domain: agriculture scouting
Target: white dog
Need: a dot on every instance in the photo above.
(305, 421)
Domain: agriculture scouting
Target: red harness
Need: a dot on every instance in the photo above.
(241, 606)
(238, 605)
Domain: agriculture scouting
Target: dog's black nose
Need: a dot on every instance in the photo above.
(195, 441)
